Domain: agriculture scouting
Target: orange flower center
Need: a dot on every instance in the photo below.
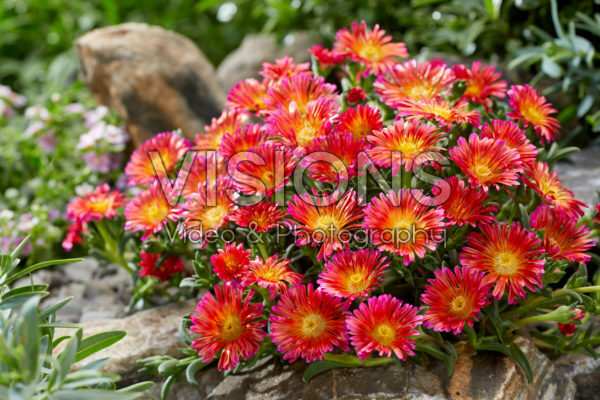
(313, 325)
(231, 329)
(370, 52)
(506, 263)
(474, 89)
(460, 306)
(384, 334)
(100, 206)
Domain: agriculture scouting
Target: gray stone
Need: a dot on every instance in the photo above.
(582, 175)
(246, 61)
(584, 371)
(481, 376)
(149, 333)
(156, 79)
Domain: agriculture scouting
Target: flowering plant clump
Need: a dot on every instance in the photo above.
(403, 209)
(51, 147)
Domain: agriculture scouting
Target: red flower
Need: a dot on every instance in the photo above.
(567, 329)
(259, 217)
(170, 147)
(562, 237)
(384, 324)
(454, 298)
(356, 95)
(513, 137)
(412, 80)
(325, 57)
(273, 274)
(533, 110)
(352, 274)
(438, 110)
(487, 162)
(324, 221)
(73, 235)
(415, 142)
(231, 262)
(374, 49)
(168, 267)
(308, 323)
(101, 203)
(510, 257)
(228, 323)
(360, 121)
(400, 223)
(465, 204)
(547, 185)
(482, 83)
(283, 68)
(247, 138)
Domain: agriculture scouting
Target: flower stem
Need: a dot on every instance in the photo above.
(352, 361)
(112, 251)
(538, 301)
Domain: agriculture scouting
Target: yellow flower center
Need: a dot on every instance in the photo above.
(532, 114)
(231, 328)
(156, 213)
(370, 52)
(408, 149)
(460, 306)
(313, 325)
(306, 134)
(357, 283)
(482, 172)
(214, 216)
(474, 89)
(384, 334)
(441, 111)
(506, 263)
(327, 224)
(100, 206)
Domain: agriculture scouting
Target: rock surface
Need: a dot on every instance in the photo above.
(582, 176)
(150, 332)
(482, 376)
(584, 371)
(245, 61)
(156, 79)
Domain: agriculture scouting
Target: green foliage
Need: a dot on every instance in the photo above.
(32, 366)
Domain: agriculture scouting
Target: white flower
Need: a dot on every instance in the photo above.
(115, 135)
(34, 127)
(83, 189)
(37, 112)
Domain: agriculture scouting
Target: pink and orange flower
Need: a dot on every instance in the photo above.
(352, 274)
(548, 186)
(170, 148)
(283, 68)
(487, 162)
(227, 123)
(531, 108)
(248, 96)
(513, 137)
(297, 129)
(260, 217)
(454, 299)
(481, 83)
(307, 323)
(301, 89)
(247, 138)
(372, 48)
(203, 169)
(402, 224)
(273, 274)
(101, 203)
(508, 255)
(465, 204)
(227, 323)
(438, 110)
(263, 171)
(360, 121)
(333, 157)
(168, 267)
(563, 238)
(324, 221)
(231, 262)
(326, 57)
(384, 324)
(417, 81)
(414, 142)
(150, 210)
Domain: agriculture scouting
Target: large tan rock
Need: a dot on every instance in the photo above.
(156, 79)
